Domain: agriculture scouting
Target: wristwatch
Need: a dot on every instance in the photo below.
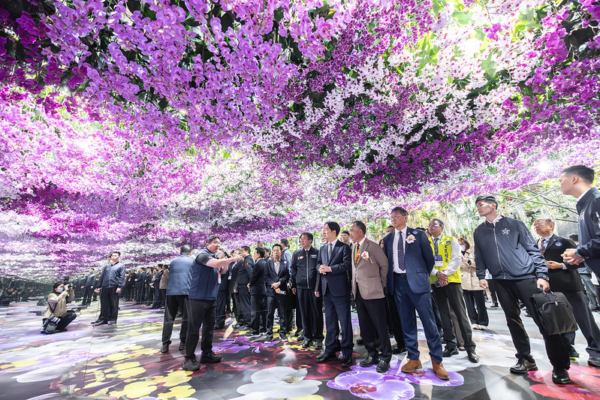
(544, 277)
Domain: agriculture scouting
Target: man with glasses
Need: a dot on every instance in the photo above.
(410, 262)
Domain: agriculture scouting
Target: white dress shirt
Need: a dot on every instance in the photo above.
(396, 237)
(454, 262)
(276, 265)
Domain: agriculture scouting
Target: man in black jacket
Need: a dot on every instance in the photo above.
(156, 287)
(505, 247)
(564, 278)
(139, 286)
(303, 276)
(244, 274)
(277, 275)
(113, 276)
(258, 294)
(577, 181)
(148, 286)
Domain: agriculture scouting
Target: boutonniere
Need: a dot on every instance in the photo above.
(410, 239)
(365, 255)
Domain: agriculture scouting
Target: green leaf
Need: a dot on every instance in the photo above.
(462, 17)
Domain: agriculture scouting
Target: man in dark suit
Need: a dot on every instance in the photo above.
(410, 261)
(303, 277)
(334, 261)
(139, 286)
(113, 276)
(564, 278)
(277, 275)
(156, 288)
(89, 288)
(222, 296)
(369, 277)
(258, 289)
(244, 274)
(148, 292)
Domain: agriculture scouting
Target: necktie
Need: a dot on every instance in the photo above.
(436, 241)
(542, 243)
(401, 252)
(330, 249)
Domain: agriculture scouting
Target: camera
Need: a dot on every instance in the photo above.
(65, 280)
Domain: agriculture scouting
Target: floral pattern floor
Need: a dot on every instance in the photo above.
(124, 361)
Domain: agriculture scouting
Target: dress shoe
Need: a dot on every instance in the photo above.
(594, 362)
(383, 366)
(283, 337)
(523, 365)
(440, 371)
(181, 346)
(360, 341)
(367, 362)
(210, 358)
(322, 353)
(347, 361)
(164, 348)
(252, 336)
(298, 333)
(398, 350)
(191, 364)
(306, 344)
(318, 344)
(411, 366)
(561, 377)
(98, 323)
(112, 322)
(448, 352)
(573, 353)
(472, 356)
(326, 357)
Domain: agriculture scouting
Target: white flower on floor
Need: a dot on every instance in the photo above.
(277, 383)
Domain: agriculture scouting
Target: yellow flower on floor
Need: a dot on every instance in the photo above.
(135, 390)
(178, 392)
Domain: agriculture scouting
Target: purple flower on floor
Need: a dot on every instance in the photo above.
(371, 385)
(368, 384)
(229, 346)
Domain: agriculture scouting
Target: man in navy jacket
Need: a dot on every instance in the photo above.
(222, 297)
(202, 299)
(89, 287)
(242, 292)
(410, 262)
(278, 273)
(333, 283)
(506, 249)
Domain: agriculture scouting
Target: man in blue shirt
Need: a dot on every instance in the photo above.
(178, 288)
(202, 302)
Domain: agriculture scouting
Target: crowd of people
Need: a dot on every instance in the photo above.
(411, 271)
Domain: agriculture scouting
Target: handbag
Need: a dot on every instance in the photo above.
(553, 313)
(51, 324)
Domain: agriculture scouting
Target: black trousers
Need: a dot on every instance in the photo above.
(475, 302)
(243, 303)
(109, 304)
(201, 313)
(276, 302)
(447, 296)
(492, 285)
(337, 308)
(139, 294)
(227, 302)
(172, 307)
(311, 311)
(157, 297)
(395, 321)
(259, 313)
(87, 295)
(373, 325)
(65, 320)
(221, 308)
(509, 293)
(586, 322)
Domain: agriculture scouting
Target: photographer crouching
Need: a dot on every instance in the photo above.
(57, 317)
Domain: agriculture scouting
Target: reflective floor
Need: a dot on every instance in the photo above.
(124, 361)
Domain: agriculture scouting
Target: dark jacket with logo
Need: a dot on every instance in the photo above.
(562, 280)
(244, 274)
(304, 269)
(508, 251)
(258, 280)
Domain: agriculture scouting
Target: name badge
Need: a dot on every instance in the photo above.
(439, 262)
(229, 277)
(300, 258)
(313, 256)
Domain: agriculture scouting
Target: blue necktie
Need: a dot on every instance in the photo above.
(401, 252)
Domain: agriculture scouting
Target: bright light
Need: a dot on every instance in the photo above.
(460, 209)
(545, 166)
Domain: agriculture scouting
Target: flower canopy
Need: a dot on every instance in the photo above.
(143, 125)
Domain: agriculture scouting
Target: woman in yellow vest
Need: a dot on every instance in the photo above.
(447, 291)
